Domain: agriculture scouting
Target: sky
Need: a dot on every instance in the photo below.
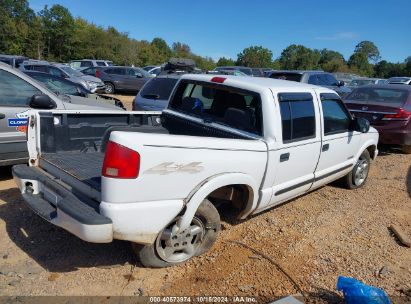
(224, 28)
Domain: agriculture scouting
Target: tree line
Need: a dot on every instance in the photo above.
(54, 34)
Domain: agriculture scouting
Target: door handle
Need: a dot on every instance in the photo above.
(2, 115)
(284, 157)
(325, 147)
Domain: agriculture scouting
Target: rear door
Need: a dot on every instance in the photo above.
(339, 144)
(294, 156)
(118, 77)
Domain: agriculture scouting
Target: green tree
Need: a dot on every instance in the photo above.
(225, 62)
(162, 48)
(332, 61)
(255, 56)
(181, 50)
(58, 29)
(298, 57)
(358, 62)
(369, 49)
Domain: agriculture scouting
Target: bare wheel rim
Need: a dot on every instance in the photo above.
(178, 247)
(361, 171)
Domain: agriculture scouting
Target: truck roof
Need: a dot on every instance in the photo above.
(256, 82)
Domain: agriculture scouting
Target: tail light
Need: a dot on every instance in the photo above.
(120, 162)
(400, 115)
(98, 73)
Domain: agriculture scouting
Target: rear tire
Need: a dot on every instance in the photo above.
(406, 149)
(109, 89)
(357, 177)
(171, 249)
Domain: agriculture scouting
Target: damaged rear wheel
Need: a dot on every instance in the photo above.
(174, 247)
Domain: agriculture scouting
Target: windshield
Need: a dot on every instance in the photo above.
(71, 71)
(158, 88)
(391, 97)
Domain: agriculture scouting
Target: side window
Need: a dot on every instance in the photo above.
(336, 117)
(330, 80)
(14, 91)
(39, 68)
(297, 116)
(116, 71)
(313, 79)
(55, 72)
(86, 64)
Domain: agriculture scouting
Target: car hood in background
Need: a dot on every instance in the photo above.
(73, 102)
(91, 78)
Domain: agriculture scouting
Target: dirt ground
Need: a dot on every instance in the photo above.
(299, 247)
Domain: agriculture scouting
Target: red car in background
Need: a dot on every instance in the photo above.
(387, 108)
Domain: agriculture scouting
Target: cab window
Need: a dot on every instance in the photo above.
(336, 117)
(14, 91)
(227, 106)
(297, 116)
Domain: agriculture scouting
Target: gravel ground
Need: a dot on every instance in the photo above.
(299, 247)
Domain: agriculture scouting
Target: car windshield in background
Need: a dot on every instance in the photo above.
(393, 97)
(360, 82)
(239, 109)
(287, 76)
(158, 88)
(56, 85)
(71, 71)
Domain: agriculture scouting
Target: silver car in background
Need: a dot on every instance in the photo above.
(91, 83)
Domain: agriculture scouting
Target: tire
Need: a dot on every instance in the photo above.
(156, 255)
(109, 89)
(406, 149)
(359, 174)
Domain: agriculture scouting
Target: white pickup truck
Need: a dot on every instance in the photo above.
(241, 143)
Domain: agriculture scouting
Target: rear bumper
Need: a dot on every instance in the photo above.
(139, 222)
(394, 137)
(59, 206)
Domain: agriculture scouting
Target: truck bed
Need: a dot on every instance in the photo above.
(86, 167)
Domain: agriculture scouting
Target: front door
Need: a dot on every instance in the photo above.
(339, 144)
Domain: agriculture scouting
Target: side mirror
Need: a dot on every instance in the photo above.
(139, 75)
(360, 124)
(42, 102)
(341, 83)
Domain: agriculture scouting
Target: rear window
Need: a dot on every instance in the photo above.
(239, 109)
(287, 76)
(392, 97)
(158, 88)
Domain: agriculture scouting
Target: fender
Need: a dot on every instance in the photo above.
(197, 196)
(365, 145)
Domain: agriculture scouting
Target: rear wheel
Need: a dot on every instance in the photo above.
(359, 174)
(172, 248)
(109, 89)
(406, 149)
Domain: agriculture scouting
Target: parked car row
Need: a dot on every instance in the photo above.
(20, 93)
